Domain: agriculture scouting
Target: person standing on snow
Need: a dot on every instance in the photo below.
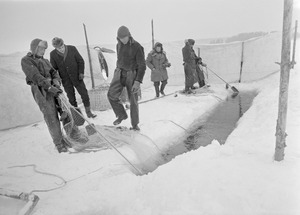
(191, 69)
(157, 61)
(45, 86)
(129, 73)
(70, 65)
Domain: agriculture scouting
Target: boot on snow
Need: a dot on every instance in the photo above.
(89, 112)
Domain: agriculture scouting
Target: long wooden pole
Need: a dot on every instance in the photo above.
(152, 29)
(294, 45)
(242, 61)
(89, 56)
(285, 66)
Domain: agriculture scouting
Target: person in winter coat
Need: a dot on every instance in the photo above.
(129, 73)
(70, 65)
(157, 61)
(191, 69)
(45, 87)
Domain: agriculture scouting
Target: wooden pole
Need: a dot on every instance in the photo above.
(152, 33)
(242, 61)
(284, 80)
(294, 45)
(89, 56)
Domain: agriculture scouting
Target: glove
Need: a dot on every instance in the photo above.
(81, 76)
(55, 91)
(56, 83)
(135, 87)
(203, 64)
(166, 64)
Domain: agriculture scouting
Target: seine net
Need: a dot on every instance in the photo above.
(138, 150)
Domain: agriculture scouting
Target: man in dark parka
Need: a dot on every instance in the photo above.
(70, 65)
(44, 82)
(129, 73)
(192, 71)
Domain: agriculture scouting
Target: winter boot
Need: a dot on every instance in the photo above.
(89, 113)
(135, 128)
(156, 85)
(120, 119)
(162, 87)
(61, 146)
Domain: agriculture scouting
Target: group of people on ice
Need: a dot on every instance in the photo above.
(66, 67)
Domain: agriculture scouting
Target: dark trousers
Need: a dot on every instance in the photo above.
(47, 105)
(162, 87)
(120, 80)
(81, 89)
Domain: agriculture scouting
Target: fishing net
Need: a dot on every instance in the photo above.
(138, 151)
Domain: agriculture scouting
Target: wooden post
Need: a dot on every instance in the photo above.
(152, 34)
(284, 80)
(89, 56)
(294, 45)
(242, 61)
(198, 52)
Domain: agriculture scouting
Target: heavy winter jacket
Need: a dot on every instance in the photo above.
(189, 56)
(68, 66)
(131, 57)
(189, 59)
(40, 75)
(39, 71)
(157, 62)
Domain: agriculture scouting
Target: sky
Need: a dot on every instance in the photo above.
(22, 21)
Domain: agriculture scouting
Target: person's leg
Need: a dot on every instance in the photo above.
(69, 89)
(156, 86)
(81, 89)
(133, 98)
(162, 87)
(113, 95)
(47, 106)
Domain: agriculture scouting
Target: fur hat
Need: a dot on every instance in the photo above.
(158, 44)
(123, 31)
(57, 42)
(37, 43)
(191, 41)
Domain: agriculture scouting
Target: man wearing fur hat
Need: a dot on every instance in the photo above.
(70, 65)
(129, 73)
(193, 74)
(45, 83)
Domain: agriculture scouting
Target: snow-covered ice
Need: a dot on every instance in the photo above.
(239, 177)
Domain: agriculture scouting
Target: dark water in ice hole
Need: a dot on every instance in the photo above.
(218, 125)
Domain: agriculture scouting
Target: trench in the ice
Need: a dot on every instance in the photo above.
(217, 126)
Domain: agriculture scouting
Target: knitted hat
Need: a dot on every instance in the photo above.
(36, 43)
(123, 31)
(191, 41)
(57, 42)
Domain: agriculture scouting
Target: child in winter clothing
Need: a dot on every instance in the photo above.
(157, 61)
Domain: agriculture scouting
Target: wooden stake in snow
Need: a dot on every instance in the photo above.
(152, 33)
(89, 56)
(285, 66)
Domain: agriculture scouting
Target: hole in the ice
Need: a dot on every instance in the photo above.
(218, 125)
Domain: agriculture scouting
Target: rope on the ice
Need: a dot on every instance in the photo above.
(64, 182)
